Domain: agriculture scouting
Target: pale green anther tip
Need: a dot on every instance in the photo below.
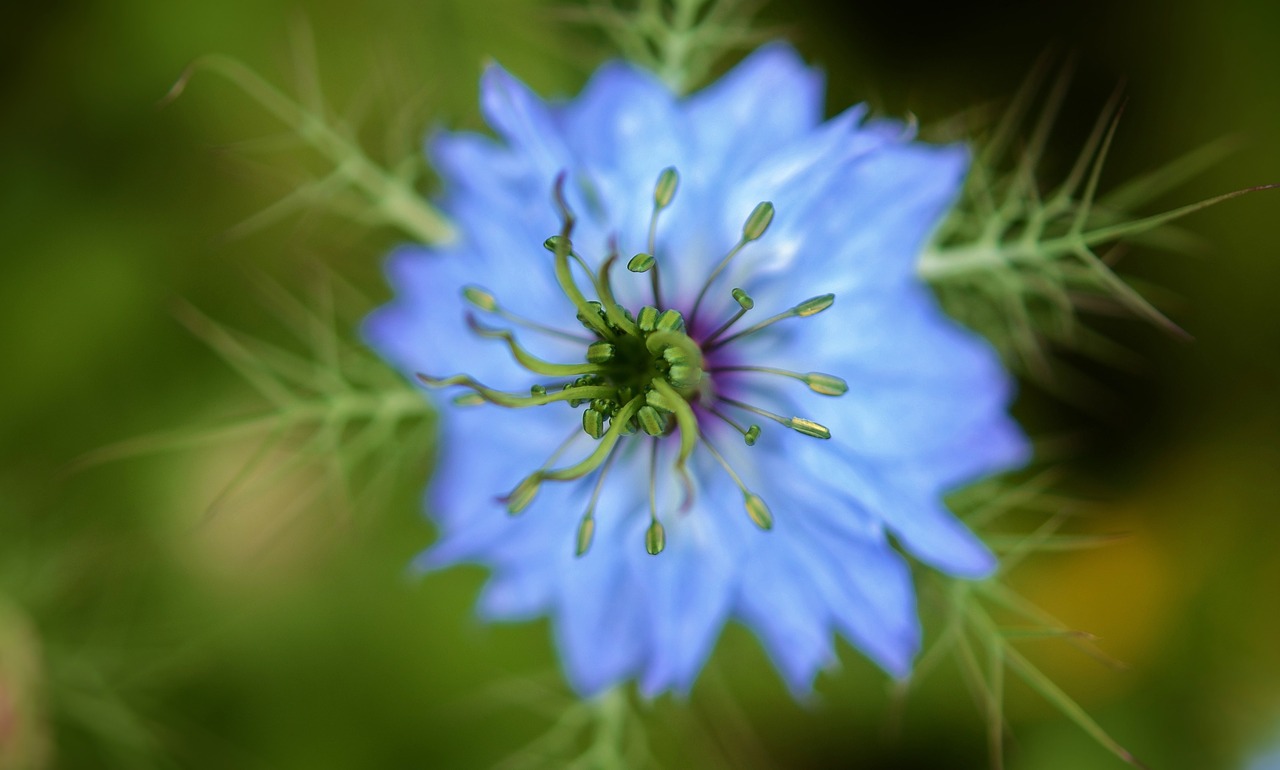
(655, 399)
(586, 531)
(593, 423)
(752, 434)
(648, 318)
(670, 320)
(815, 305)
(684, 376)
(758, 511)
(826, 384)
(641, 263)
(468, 399)
(600, 352)
(758, 222)
(655, 538)
(651, 420)
(743, 299)
(523, 494)
(808, 427)
(555, 241)
(665, 190)
(480, 298)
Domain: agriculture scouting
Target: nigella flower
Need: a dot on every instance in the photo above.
(690, 350)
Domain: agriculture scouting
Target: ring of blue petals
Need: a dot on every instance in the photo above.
(925, 410)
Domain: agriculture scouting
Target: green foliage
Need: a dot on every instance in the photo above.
(384, 196)
(985, 650)
(338, 420)
(1019, 262)
(679, 40)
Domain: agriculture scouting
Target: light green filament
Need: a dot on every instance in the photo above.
(757, 510)
(798, 424)
(822, 384)
(752, 229)
(810, 307)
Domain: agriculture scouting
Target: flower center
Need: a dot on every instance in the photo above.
(642, 372)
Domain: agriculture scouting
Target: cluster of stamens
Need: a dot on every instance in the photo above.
(643, 373)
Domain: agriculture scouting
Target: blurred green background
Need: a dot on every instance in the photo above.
(145, 621)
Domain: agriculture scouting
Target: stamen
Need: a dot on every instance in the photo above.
(745, 303)
(527, 359)
(810, 307)
(664, 191)
(798, 424)
(485, 301)
(525, 491)
(655, 538)
(749, 435)
(755, 226)
(686, 421)
(823, 384)
(615, 312)
(757, 510)
(587, 529)
(562, 247)
(512, 400)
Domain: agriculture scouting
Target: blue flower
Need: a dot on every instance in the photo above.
(643, 287)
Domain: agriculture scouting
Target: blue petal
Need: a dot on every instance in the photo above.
(767, 101)
(524, 120)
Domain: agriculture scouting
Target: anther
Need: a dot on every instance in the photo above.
(757, 511)
(651, 420)
(798, 424)
(523, 494)
(641, 263)
(587, 529)
(655, 538)
(808, 428)
(818, 382)
(665, 190)
(480, 298)
(648, 318)
(670, 320)
(810, 307)
(752, 229)
(600, 352)
(745, 303)
(593, 422)
(758, 222)
(749, 435)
